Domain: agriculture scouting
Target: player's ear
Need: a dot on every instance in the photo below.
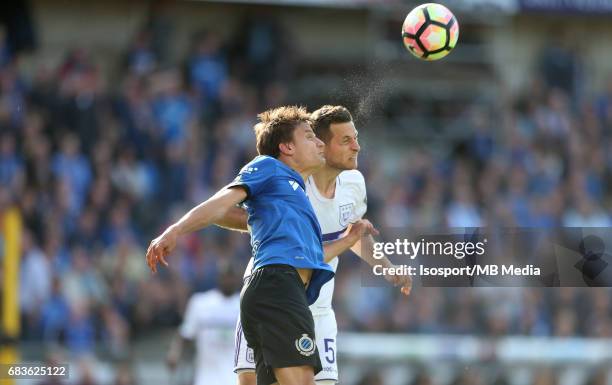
(286, 148)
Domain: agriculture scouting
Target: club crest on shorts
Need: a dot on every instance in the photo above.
(249, 356)
(305, 345)
(345, 214)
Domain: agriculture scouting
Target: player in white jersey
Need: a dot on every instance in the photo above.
(210, 321)
(337, 193)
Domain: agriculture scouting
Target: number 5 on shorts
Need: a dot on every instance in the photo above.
(329, 348)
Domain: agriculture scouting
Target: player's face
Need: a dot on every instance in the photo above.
(343, 148)
(309, 150)
(229, 283)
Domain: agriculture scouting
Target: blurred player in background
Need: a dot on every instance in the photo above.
(337, 193)
(209, 322)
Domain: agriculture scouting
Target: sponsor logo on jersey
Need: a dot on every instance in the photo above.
(345, 214)
(305, 345)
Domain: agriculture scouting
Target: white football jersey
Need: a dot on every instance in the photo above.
(210, 320)
(348, 205)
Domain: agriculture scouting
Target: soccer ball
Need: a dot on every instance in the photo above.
(430, 31)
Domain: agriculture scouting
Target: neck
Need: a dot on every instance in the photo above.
(304, 173)
(325, 180)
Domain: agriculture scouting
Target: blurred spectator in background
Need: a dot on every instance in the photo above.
(141, 59)
(208, 72)
(262, 51)
(560, 66)
(12, 170)
(36, 278)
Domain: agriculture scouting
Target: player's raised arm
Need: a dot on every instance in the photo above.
(364, 248)
(353, 234)
(359, 239)
(197, 218)
(234, 219)
(175, 351)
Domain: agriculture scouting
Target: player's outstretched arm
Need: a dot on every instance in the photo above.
(176, 351)
(234, 219)
(199, 217)
(364, 248)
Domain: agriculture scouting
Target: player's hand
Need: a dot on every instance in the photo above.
(403, 281)
(172, 360)
(160, 248)
(360, 228)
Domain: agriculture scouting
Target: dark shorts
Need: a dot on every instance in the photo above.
(277, 322)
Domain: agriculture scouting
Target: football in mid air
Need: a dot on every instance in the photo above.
(430, 31)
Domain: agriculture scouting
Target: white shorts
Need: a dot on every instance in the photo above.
(326, 331)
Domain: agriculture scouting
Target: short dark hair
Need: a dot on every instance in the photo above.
(276, 126)
(327, 115)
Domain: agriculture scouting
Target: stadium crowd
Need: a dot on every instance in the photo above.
(99, 166)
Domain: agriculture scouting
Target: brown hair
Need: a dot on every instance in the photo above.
(276, 126)
(327, 115)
